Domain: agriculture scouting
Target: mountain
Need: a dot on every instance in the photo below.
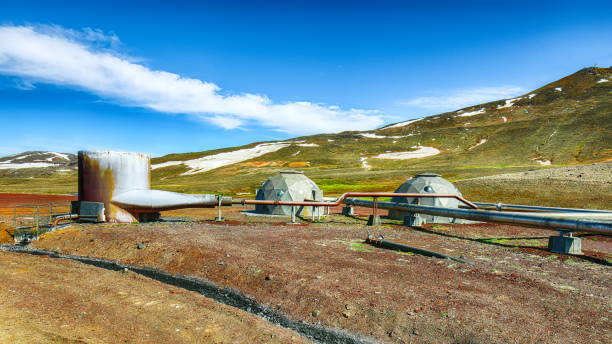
(567, 122)
(35, 163)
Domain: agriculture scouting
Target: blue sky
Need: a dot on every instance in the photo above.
(164, 77)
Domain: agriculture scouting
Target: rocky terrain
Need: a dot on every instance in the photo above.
(598, 173)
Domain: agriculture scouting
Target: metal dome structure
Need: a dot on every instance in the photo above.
(427, 183)
(288, 186)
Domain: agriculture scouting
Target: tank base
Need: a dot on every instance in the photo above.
(149, 217)
(374, 220)
(565, 244)
(348, 211)
(413, 220)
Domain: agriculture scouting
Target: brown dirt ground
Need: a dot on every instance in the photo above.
(516, 292)
(62, 301)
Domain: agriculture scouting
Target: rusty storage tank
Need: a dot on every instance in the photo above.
(427, 183)
(289, 186)
(122, 181)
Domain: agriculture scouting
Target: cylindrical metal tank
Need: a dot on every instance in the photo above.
(103, 174)
(122, 181)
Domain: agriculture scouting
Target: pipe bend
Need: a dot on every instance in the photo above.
(60, 218)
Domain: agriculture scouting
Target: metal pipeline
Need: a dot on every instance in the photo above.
(341, 199)
(381, 242)
(158, 200)
(533, 220)
(517, 207)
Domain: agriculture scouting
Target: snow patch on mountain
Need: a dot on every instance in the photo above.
(482, 141)
(402, 124)
(420, 152)
(210, 162)
(374, 136)
(509, 103)
(5, 166)
(472, 113)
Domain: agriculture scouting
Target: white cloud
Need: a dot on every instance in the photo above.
(88, 60)
(463, 98)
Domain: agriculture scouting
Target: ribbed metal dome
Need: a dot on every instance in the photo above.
(288, 186)
(427, 182)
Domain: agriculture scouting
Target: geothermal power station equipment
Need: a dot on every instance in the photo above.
(116, 187)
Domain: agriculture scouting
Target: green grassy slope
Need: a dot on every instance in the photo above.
(569, 126)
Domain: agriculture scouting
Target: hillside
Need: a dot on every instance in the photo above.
(33, 163)
(567, 122)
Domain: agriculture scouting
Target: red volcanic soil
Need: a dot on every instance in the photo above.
(323, 273)
(8, 200)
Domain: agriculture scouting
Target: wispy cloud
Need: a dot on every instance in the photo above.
(463, 98)
(88, 60)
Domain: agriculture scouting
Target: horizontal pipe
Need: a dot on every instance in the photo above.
(157, 200)
(546, 222)
(60, 218)
(340, 199)
(565, 215)
(381, 242)
(518, 207)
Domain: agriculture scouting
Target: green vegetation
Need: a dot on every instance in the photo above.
(514, 242)
(57, 183)
(341, 187)
(360, 247)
